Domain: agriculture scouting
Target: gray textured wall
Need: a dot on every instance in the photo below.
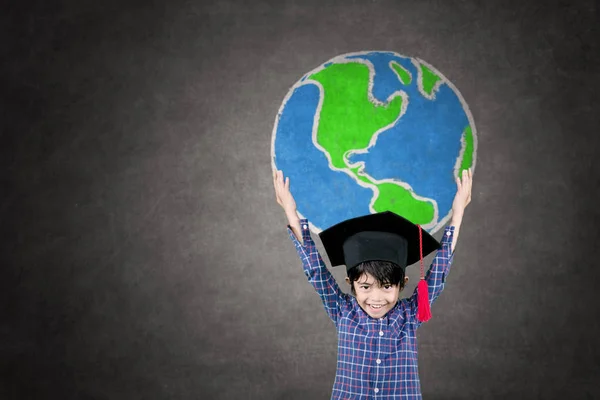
(143, 255)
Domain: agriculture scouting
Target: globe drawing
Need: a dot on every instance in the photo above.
(373, 131)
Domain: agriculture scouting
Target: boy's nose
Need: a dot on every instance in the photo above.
(376, 296)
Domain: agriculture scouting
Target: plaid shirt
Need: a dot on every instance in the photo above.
(377, 358)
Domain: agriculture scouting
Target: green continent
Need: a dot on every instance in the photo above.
(402, 73)
(348, 121)
(467, 160)
(399, 200)
(429, 79)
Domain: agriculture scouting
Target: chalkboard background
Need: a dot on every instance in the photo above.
(143, 255)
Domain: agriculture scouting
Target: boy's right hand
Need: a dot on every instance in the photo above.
(282, 192)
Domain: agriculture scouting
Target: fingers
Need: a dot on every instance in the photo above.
(466, 178)
(277, 185)
(280, 184)
(277, 177)
(464, 182)
(468, 183)
(470, 179)
(460, 180)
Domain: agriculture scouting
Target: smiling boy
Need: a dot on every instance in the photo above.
(377, 346)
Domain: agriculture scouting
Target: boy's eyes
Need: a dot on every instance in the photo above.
(365, 287)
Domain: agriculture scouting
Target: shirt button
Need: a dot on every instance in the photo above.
(448, 233)
(305, 226)
(380, 333)
(378, 361)
(376, 390)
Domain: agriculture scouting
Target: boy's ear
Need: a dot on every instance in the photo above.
(405, 282)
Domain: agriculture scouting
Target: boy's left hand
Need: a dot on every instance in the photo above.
(463, 192)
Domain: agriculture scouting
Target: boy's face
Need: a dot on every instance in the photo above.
(375, 300)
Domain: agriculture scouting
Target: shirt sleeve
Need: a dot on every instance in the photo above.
(437, 273)
(317, 273)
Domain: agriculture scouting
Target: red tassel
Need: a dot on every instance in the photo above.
(423, 309)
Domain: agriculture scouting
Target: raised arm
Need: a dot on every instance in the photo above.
(286, 201)
(461, 201)
(314, 268)
(440, 267)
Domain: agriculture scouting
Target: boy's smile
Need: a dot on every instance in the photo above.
(374, 299)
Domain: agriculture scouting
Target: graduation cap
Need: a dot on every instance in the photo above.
(384, 236)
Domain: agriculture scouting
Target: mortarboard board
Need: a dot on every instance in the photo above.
(383, 236)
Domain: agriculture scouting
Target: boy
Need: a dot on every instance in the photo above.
(377, 347)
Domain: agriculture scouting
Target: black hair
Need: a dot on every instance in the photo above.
(384, 272)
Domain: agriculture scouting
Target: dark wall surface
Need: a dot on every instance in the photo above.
(143, 255)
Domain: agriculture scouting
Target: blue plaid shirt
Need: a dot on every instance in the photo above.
(377, 358)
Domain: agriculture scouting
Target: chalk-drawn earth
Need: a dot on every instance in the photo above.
(373, 131)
